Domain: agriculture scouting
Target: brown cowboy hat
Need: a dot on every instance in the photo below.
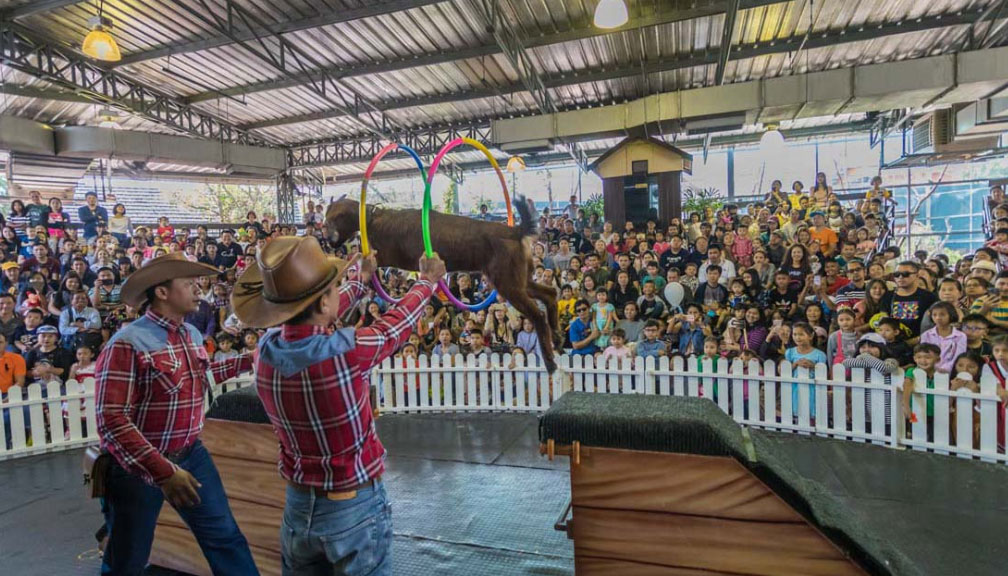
(290, 273)
(158, 271)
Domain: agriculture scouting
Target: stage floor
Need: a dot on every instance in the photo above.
(470, 495)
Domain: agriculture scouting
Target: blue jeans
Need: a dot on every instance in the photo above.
(337, 538)
(131, 508)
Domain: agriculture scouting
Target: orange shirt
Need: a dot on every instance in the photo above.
(827, 238)
(11, 366)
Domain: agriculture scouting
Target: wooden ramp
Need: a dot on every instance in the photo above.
(246, 457)
(638, 513)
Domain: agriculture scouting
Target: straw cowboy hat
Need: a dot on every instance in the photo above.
(158, 271)
(291, 272)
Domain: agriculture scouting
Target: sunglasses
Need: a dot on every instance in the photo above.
(902, 274)
(579, 310)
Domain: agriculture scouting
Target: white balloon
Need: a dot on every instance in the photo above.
(674, 294)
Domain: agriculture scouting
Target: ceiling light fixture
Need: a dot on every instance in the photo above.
(611, 14)
(772, 141)
(515, 164)
(99, 43)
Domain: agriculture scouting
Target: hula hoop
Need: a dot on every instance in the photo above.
(443, 284)
(362, 224)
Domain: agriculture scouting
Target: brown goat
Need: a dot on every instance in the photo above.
(466, 245)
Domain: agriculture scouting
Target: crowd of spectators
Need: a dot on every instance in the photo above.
(799, 276)
(62, 275)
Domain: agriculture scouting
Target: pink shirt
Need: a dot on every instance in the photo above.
(951, 346)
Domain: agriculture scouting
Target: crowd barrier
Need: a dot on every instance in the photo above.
(38, 419)
(854, 405)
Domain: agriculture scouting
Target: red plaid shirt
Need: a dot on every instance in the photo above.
(322, 415)
(151, 402)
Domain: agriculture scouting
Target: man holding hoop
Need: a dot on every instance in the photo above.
(314, 386)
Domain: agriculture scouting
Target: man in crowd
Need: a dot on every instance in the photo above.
(91, 215)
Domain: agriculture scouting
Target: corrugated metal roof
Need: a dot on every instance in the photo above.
(451, 26)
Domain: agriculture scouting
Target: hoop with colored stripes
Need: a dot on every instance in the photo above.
(365, 245)
(443, 284)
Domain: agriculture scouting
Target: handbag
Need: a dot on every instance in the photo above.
(95, 466)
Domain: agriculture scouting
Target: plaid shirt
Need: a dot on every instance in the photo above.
(322, 414)
(151, 402)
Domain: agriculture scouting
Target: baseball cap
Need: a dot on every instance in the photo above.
(91, 193)
(984, 265)
(872, 337)
(9, 265)
(47, 329)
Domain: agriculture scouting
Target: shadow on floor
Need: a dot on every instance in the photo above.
(469, 492)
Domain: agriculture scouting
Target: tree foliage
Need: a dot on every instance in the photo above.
(230, 202)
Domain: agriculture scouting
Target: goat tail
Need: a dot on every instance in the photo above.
(529, 224)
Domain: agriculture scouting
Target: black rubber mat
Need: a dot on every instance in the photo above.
(470, 496)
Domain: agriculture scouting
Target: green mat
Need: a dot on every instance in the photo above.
(894, 511)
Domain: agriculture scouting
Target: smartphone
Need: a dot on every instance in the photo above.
(817, 281)
(777, 322)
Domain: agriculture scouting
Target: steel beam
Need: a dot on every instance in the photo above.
(65, 68)
(700, 58)
(279, 53)
(514, 50)
(426, 141)
(585, 31)
(35, 7)
(44, 93)
(555, 158)
(726, 40)
(286, 198)
(327, 18)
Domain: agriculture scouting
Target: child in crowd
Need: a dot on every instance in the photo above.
(998, 367)
(250, 340)
(528, 341)
(974, 326)
(604, 315)
(871, 355)
(966, 374)
(926, 358)
(476, 345)
(225, 348)
(444, 344)
(26, 335)
(842, 342)
(892, 331)
(617, 348)
(803, 356)
(949, 340)
(651, 345)
(711, 351)
(84, 367)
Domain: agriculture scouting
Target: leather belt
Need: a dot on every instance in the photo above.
(347, 494)
(178, 455)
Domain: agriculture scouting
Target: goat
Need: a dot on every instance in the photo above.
(466, 245)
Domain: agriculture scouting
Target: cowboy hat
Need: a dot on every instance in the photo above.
(291, 272)
(158, 271)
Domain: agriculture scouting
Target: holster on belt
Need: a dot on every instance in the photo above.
(95, 467)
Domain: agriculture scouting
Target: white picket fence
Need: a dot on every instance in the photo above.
(824, 402)
(854, 405)
(36, 420)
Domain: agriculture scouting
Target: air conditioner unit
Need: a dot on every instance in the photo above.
(931, 131)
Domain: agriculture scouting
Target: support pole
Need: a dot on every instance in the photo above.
(286, 198)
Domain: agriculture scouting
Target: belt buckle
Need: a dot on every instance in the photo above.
(341, 496)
